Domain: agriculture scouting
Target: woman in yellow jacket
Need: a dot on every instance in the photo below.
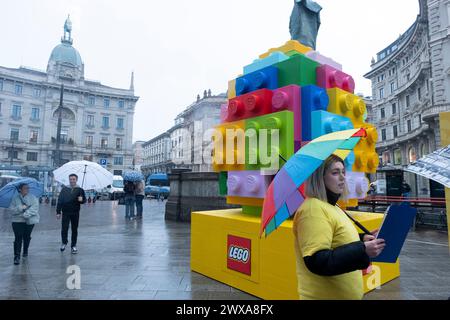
(330, 252)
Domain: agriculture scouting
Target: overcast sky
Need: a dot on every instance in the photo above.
(180, 48)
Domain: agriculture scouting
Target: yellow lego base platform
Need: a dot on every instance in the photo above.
(273, 269)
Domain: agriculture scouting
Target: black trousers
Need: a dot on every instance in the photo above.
(22, 234)
(71, 218)
(139, 199)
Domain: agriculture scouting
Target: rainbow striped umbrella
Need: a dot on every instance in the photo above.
(283, 196)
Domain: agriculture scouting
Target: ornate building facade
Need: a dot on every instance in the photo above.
(410, 87)
(97, 120)
(185, 145)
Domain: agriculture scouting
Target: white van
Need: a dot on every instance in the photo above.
(115, 190)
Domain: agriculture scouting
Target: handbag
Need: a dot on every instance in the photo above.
(122, 201)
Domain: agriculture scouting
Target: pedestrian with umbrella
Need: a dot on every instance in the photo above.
(72, 196)
(137, 179)
(21, 197)
(330, 252)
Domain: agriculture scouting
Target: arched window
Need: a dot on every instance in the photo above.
(412, 156)
(423, 150)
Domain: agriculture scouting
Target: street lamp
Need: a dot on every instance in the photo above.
(12, 153)
(57, 158)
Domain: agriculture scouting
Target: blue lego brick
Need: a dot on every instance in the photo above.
(349, 161)
(324, 122)
(313, 98)
(258, 64)
(266, 78)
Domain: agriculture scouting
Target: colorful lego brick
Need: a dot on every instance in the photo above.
(350, 203)
(249, 105)
(255, 156)
(347, 105)
(292, 53)
(252, 211)
(243, 201)
(258, 64)
(231, 89)
(329, 77)
(223, 113)
(316, 56)
(223, 177)
(349, 161)
(313, 98)
(366, 162)
(291, 45)
(366, 157)
(298, 70)
(358, 185)
(290, 98)
(228, 157)
(266, 78)
(324, 122)
(250, 184)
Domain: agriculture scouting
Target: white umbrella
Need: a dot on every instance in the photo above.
(92, 175)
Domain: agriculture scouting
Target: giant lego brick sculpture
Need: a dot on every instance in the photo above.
(282, 101)
(301, 95)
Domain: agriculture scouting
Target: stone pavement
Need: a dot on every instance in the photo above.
(149, 259)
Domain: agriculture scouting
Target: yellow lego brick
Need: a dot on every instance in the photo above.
(220, 147)
(232, 89)
(348, 105)
(209, 233)
(350, 203)
(366, 157)
(254, 202)
(290, 46)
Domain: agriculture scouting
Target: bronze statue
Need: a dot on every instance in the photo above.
(305, 22)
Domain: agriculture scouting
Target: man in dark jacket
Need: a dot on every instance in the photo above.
(69, 201)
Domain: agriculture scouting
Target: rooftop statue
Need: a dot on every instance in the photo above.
(305, 22)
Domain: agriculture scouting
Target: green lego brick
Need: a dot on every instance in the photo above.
(298, 69)
(223, 189)
(292, 53)
(284, 122)
(252, 211)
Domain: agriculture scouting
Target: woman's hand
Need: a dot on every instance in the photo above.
(373, 235)
(374, 247)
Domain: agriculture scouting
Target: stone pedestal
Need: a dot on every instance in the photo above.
(193, 191)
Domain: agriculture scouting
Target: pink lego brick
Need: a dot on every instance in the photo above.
(329, 77)
(316, 56)
(249, 184)
(289, 98)
(223, 113)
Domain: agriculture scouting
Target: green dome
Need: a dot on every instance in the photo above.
(65, 53)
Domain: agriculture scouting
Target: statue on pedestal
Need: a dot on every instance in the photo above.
(305, 22)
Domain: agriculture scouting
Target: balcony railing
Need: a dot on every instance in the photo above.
(405, 137)
(434, 111)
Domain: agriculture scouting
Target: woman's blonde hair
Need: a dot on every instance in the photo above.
(315, 184)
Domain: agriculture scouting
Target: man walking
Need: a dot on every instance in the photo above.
(69, 201)
(406, 191)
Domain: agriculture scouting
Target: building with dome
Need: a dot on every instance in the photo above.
(97, 120)
(410, 88)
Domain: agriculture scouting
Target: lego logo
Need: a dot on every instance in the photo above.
(239, 254)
